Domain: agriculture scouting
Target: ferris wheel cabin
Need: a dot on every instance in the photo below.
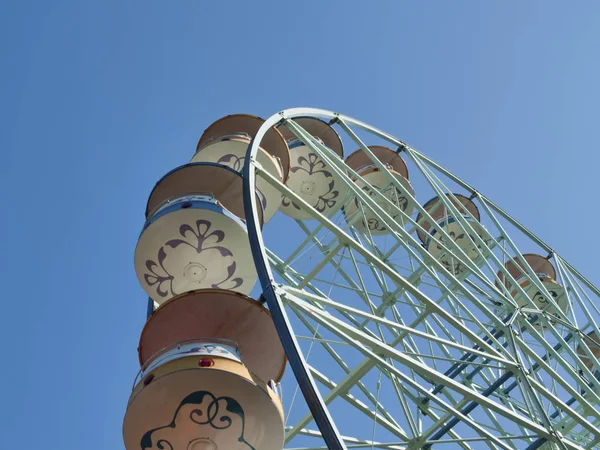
(311, 177)
(225, 142)
(444, 218)
(546, 274)
(593, 342)
(373, 179)
(194, 237)
(188, 385)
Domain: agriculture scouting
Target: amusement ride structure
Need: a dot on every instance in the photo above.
(412, 311)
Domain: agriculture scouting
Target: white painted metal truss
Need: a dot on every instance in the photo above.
(407, 354)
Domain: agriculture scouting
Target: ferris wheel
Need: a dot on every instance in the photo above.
(411, 310)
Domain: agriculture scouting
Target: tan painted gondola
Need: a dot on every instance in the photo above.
(593, 342)
(378, 180)
(199, 395)
(221, 314)
(545, 272)
(226, 142)
(443, 218)
(310, 177)
(194, 236)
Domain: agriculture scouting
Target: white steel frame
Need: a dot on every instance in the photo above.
(467, 366)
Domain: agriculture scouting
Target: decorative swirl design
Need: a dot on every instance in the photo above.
(208, 410)
(157, 278)
(459, 239)
(313, 165)
(399, 198)
(463, 240)
(543, 303)
(373, 224)
(199, 240)
(540, 299)
(237, 164)
(233, 161)
(160, 445)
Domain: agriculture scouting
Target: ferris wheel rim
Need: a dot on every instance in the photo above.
(296, 361)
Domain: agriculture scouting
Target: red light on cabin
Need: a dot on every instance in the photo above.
(206, 362)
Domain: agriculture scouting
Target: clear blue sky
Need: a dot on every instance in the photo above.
(99, 99)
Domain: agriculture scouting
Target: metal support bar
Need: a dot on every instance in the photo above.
(290, 344)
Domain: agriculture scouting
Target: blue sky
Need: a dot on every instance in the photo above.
(100, 99)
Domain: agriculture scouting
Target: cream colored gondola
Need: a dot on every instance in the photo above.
(546, 273)
(199, 395)
(378, 180)
(194, 236)
(220, 313)
(226, 142)
(215, 392)
(443, 217)
(593, 342)
(311, 178)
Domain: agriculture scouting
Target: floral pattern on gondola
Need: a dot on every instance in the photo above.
(206, 410)
(463, 240)
(166, 273)
(233, 161)
(237, 164)
(313, 165)
(540, 299)
(372, 222)
(453, 264)
(543, 303)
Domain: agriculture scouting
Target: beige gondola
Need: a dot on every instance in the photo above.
(219, 313)
(311, 177)
(194, 236)
(199, 395)
(593, 342)
(443, 218)
(374, 179)
(545, 272)
(226, 142)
